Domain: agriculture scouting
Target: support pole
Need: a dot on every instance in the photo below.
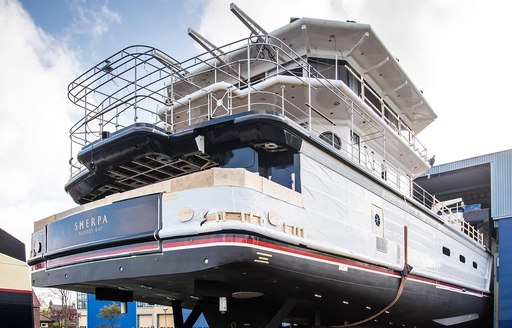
(177, 314)
(282, 313)
(193, 316)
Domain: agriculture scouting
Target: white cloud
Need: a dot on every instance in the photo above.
(34, 121)
(93, 21)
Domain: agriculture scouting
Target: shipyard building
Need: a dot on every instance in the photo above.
(485, 185)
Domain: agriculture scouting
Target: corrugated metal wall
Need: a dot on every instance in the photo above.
(501, 185)
(501, 179)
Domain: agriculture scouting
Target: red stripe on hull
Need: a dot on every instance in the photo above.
(249, 241)
(18, 291)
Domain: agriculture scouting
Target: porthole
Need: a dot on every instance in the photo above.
(475, 265)
(331, 138)
(446, 251)
(462, 258)
(377, 220)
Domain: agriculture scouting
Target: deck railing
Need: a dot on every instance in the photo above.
(143, 84)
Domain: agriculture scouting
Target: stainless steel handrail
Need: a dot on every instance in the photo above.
(129, 87)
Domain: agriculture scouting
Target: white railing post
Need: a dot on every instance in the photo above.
(248, 75)
(230, 100)
(189, 111)
(336, 67)
(277, 61)
(172, 98)
(362, 87)
(352, 129)
(172, 117)
(282, 99)
(135, 92)
(209, 105)
(309, 98)
(215, 72)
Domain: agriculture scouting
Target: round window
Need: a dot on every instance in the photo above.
(331, 138)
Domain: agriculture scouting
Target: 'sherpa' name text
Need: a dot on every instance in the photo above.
(90, 225)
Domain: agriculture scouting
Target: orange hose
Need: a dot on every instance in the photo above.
(405, 273)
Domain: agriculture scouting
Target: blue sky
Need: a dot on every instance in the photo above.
(456, 51)
(96, 29)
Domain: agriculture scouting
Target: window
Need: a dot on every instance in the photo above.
(475, 265)
(81, 301)
(356, 145)
(331, 138)
(270, 160)
(281, 168)
(245, 158)
(446, 251)
(326, 67)
(143, 304)
(462, 258)
(391, 116)
(372, 99)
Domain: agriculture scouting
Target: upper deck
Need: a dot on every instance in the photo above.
(333, 80)
(291, 73)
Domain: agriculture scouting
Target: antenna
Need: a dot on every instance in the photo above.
(205, 43)
(248, 21)
(168, 61)
(254, 28)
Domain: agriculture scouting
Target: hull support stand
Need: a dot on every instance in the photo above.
(177, 314)
(282, 313)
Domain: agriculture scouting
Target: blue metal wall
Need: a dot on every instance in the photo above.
(504, 276)
(128, 320)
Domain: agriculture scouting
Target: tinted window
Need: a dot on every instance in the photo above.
(282, 168)
(326, 67)
(354, 85)
(462, 258)
(446, 251)
(279, 167)
(245, 158)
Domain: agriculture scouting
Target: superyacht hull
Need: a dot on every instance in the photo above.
(275, 255)
(259, 277)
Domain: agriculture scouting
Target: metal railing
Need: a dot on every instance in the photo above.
(142, 84)
(447, 214)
